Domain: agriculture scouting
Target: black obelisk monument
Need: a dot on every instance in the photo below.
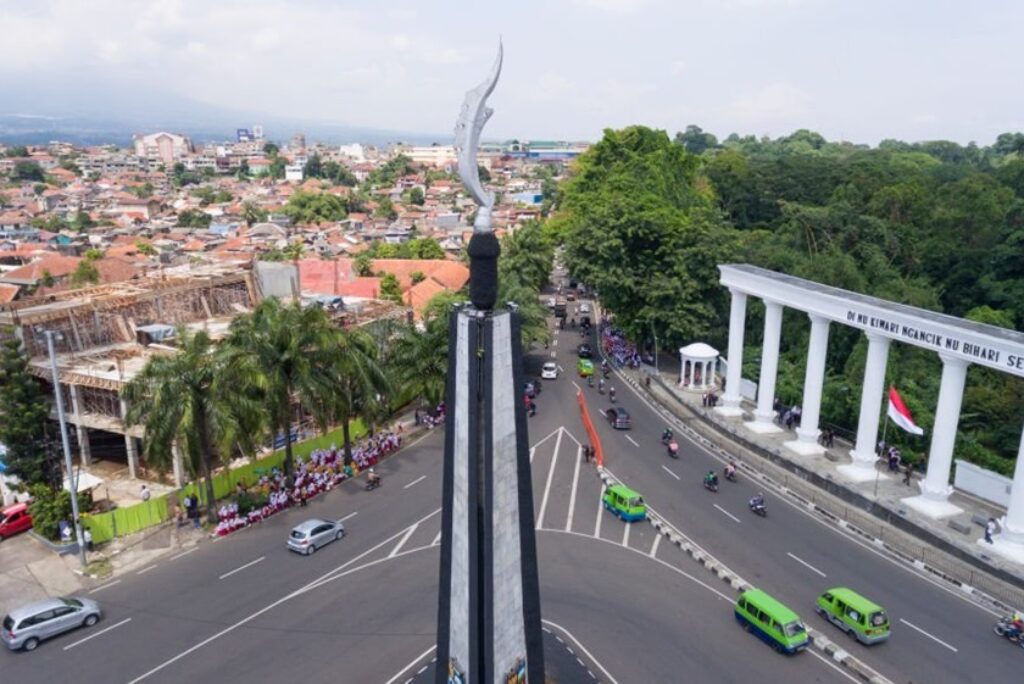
(488, 628)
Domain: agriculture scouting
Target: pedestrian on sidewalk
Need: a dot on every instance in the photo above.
(145, 493)
(908, 474)
(990, 528)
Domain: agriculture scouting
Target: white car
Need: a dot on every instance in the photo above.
(550, 371)
(584, 308)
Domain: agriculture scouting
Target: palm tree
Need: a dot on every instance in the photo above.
(420, 356)
(360, 384)
(282, 352)
(186, 398)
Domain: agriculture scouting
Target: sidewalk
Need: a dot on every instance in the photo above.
(874, 509)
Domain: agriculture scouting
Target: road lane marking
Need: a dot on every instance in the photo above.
(330, 574)
(654, 546)
(834, 666)
(669, 472)
(727, 513)
(546, 438)
(411, 665)
(419, 479)
(401, 542)
(350, 515)
(582, 649)
(554, 343)
(625, 534)
(437, 540)
(632, 441)
(145, 570)
(930, 636)
(96, 634)
(184, 553)
(108, 584)
(572, 493)
(601, 411)
(547, 485)
(533, 450)
(806, 564)
(239, 569)
(600, 511)
(578, 388)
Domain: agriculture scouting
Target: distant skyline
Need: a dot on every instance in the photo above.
(865, 71)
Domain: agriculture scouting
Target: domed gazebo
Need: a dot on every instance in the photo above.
(697, 366)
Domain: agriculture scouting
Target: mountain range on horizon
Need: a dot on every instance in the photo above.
(84, 115)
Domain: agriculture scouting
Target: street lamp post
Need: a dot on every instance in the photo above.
(72, 480)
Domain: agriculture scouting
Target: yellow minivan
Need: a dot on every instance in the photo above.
(854, 614)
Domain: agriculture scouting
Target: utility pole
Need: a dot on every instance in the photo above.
(72, 479)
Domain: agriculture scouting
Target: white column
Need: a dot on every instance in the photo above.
(85, 453)
(935, 488)
(814, 378)
(709, 379)
(129, 443)
(863, 453)
(764, 416)
(1010, 542)
(737, 319)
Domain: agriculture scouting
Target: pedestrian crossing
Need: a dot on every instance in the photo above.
(567, 498)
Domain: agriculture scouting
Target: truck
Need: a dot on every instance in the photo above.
(560, 308)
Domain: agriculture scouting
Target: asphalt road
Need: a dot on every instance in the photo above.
(244, 608)
(938, 636)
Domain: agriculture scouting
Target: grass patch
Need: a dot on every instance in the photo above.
(100, 568)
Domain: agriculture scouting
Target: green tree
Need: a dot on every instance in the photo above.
(277, 168)
(193, 218)
(50, 506)
(25, 171)
(314, 167)
(315, 207)
(244, 172)
(24, 417)
(270, 149)
(425, 248)
(416, 196)
(282, 353)
(294, 250)
(146, 248)
(339, 174)
(190, 399)
(385, 208)
(695, 140)
(390, 289)
(82, 221)
(16, 151)
(420, 357)
(417, 277)
(252, 213)
(85, 273)
(363, 265)
(144, 191)
(359, 380)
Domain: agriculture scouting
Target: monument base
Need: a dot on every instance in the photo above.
(805, 448)
(1006, 548)
(762, 427)
(857, 473)
(932, 508)
(729, 411)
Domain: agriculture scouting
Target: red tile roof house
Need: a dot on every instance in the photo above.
(32, 274)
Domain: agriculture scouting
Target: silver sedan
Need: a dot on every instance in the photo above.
(310, 535)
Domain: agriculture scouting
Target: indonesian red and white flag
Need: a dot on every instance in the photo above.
(900, 414)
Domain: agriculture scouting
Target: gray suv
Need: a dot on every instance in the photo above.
(310, 535)
(28, 625)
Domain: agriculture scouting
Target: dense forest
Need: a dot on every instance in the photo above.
(645, 219)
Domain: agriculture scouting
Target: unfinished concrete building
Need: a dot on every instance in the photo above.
(104, 336)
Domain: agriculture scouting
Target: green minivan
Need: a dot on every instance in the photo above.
(854, 614)
(777, 625)
(625, 503)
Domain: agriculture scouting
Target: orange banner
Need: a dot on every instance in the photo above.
(591, 432)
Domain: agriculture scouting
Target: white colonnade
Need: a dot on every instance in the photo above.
(958, 343)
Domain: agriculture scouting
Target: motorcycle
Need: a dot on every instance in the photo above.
(673, 449)
(373, 484)
(730, 475)
(611, 395)
(759, 509)
(666, 438)
(1004, 628)
(711, 485)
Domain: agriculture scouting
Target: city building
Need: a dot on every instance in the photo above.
(162, 147)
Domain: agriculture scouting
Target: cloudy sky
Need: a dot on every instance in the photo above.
(859, 70)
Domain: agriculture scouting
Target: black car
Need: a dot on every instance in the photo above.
(619, 418)
(584, 351)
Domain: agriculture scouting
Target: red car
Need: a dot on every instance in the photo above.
(14, 519)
